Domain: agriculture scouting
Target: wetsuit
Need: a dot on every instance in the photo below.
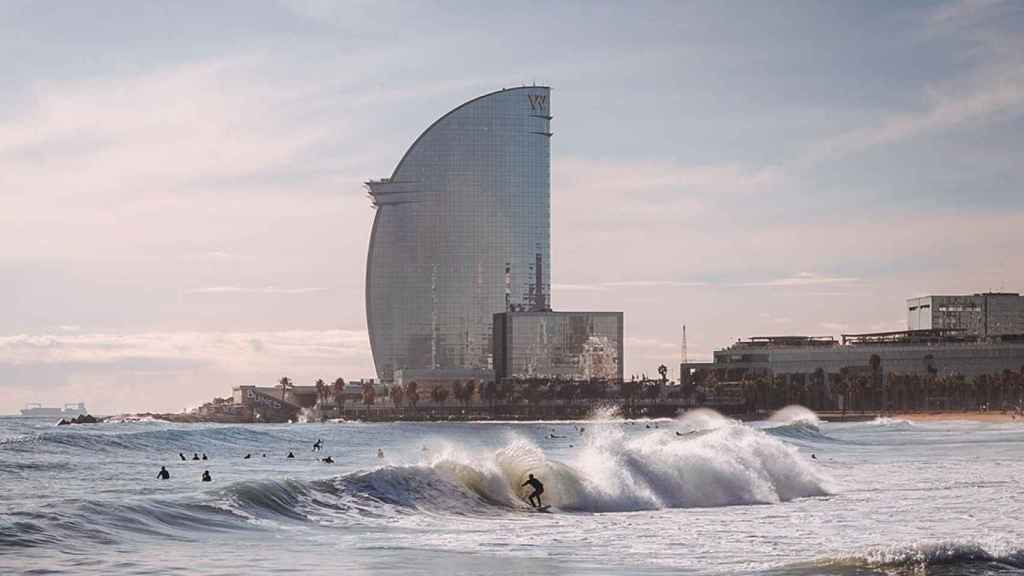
(163, 474)
(538, 489)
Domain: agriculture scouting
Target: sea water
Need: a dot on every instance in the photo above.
(697, 495)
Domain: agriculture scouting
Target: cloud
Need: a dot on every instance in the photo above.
(264, 290)
(650, 191)
(796, 280)
(234, 349)
(214, 256)
(579, 288)
(655, 284)
(993, 86)
(193, 146)
(959, 11)
(165, 371)
(835, 327)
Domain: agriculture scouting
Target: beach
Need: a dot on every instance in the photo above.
(969, 416)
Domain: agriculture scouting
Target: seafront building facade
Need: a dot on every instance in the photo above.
(918, 352)
(958, 352)
(558, 345)
(985, 314)
(461, 232)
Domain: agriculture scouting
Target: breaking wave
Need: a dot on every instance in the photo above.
(937, 559)
(795, 414)
(101, 438)
(796, 423)
(611, 472)
(614, 472)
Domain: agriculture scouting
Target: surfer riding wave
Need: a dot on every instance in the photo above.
(538, 489)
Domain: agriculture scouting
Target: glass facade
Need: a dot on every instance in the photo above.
(462, 231)
(570, 345)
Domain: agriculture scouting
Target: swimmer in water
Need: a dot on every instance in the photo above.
(380, 452)
(182, 456)
(247, 456)
(290, 455)
(328, 460)
(195, 455)
(206, 476)
(163, 474)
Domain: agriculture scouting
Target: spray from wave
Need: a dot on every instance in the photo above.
(616, 472)
(704, 419)
(795, 414)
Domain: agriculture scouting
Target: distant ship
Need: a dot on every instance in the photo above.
(68, 410)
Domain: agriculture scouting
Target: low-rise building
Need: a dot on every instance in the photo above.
(558, 345)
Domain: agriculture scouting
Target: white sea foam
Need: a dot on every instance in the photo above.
(704, 419)
(618, 472)
(795, 414)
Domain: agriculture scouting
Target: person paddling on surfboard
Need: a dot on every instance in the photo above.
(538, 489)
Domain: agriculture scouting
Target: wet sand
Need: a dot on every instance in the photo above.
(973, 416)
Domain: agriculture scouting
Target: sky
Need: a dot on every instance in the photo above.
(182, 209)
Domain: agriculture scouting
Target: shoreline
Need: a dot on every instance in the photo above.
(969, 416)
(923, 416)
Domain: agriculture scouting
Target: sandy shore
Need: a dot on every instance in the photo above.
(972, 416)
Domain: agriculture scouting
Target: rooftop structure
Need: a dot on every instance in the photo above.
(984, 314)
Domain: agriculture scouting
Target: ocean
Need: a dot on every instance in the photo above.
(701, 494)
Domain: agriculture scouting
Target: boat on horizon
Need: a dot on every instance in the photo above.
(69, 409)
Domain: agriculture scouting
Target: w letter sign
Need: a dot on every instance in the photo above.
(537, 101)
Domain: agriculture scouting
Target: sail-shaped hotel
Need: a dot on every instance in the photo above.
(462, 231)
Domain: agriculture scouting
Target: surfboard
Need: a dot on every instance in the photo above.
(543, 508)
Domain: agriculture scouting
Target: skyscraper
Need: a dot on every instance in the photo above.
(462, 231)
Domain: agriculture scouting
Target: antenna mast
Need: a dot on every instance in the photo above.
(683, 358)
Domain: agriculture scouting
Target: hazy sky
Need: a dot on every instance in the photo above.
(181, 207)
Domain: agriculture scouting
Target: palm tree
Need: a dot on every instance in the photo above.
(663, 370)
(440, 394)
(285, 383)
(339, 393)
(457, 390)
(397, 395)
(412, 393)
(488, 392)
(321, 392)
(369, 394)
